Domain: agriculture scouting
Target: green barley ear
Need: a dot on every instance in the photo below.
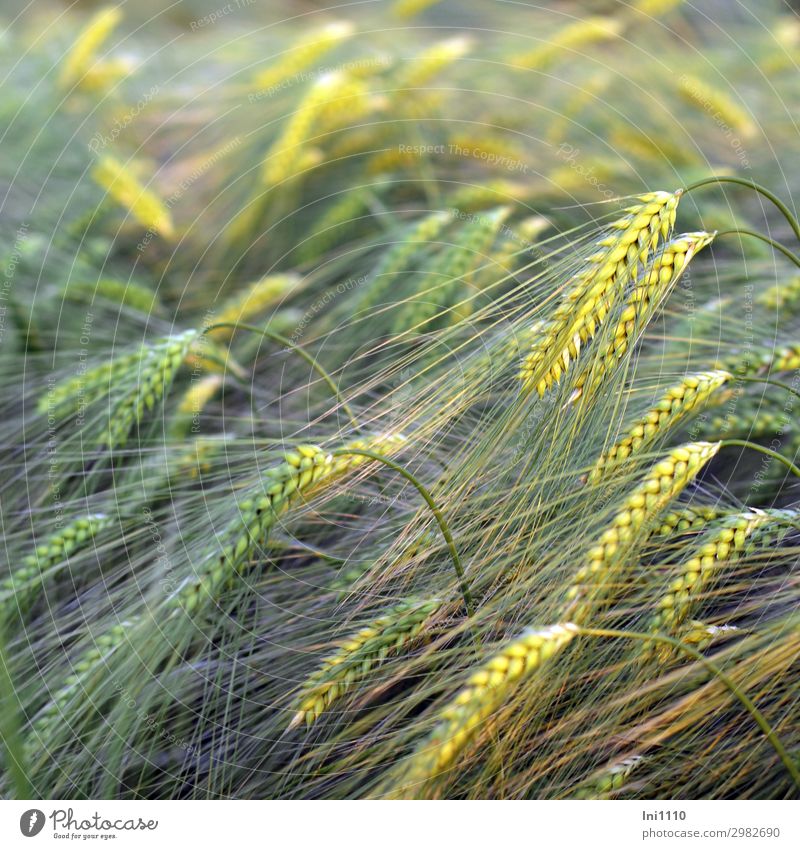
(715, 102)
(763, 361)
(156, 369)
(411, 8)
(125, 293)
(688, 519)
(593, 292)
(80, 59)
(783, 298)
(640, 511)
(305, 470)
(679, 402)
(609, 781)
(20, 588)
(254, 300)
(486, 690)
(718, 549)
(359, 654)
(641, 304)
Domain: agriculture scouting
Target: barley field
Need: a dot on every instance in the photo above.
(400, 400)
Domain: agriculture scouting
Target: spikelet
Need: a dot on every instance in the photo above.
(570, 38)
(80, 58)
(422, 68)
(157, 367)
(486, 690)
(671, 410)
(592, 293)
(359, 654)
(300, 57)
(411, 8)
(719, 547)
(301, 474)
(141, 203)
(716, 103)
(688, 519)
(641, 304)
(333, 98)
(610, 781)
(254, 300)
(639, 513)
(20, 587)
(785, 297)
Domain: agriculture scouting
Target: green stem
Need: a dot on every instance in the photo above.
(771, 242)
(287, 343)
(741, 181)
(770, 382)
(744, 443)
(712, 667)
(465, 591)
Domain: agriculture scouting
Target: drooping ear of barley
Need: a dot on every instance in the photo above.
(701, 636)
(254, 300)
(672, 409)
(415, 239)
(125, 293)
(194, 401)
(80, 58)
(334, 97)
(719, 547)
(640, 512)
(763, 361)
(642, 302)
(420, 69)
(303, 473)
(300, 57)
(656, 8)
(609, 781)
(346, 215)
(468, 249)
(141, 203)
(748, 423)
(156, 370)
(783, 298)
(359, 654)
(474, 198)
(20, 588)
(593, 292)
(571, 38)
(485, 691)
(716, 103)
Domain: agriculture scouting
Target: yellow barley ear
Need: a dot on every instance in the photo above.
(144, 205)
(80, 58)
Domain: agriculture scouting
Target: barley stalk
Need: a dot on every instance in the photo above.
(641, 304)
(141, 203)
(80, 58)
(640, 511)
(593, 292)
(671, 410)
(486, 690)
(359, 654)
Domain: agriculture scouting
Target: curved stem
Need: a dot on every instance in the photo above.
(770, 382)
(712, 667)
(465, 591)
(741, 181)
(744, 443)
(771, 242)
(287, 343)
